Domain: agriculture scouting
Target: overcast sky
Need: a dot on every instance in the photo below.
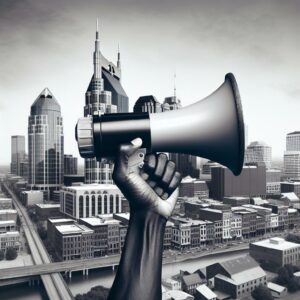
(50, 44)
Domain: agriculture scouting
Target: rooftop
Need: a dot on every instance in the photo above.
(7, 211)
(73, 229)
(94, 221)
(44, 205)
(276, 287)
(7, 222)
(277, 244)
(10, 233)
(206, 291)
(61, 220)
(294, 132)
(191, 279)
(91, 187)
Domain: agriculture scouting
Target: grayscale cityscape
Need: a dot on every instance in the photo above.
(63, 220)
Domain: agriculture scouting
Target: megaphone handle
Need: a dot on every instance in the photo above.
(136, 161)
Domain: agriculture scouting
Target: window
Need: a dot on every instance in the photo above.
(87, 206)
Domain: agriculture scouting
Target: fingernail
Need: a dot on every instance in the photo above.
(137, 142)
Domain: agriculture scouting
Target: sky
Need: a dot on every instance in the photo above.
(50, 44)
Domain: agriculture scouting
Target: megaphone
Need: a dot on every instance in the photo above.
(212, 128)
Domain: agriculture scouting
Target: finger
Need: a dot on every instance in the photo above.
(150, 163)
(172, 199)
(168, 174)
(159, 191)
(144, 175)
(174, 182)
(162, 160)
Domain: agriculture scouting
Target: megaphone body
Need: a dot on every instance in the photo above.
(212, 128)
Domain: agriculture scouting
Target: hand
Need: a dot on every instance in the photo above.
(155, 188)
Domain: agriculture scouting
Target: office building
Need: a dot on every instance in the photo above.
(147, 104)
(30, 198)
(291, 187)
(236, 201)
(17, 153)
(45, 145)
(259, 153)
(45, 211)
(70, 180)
(70, 165)
(273, 178)
(105, 94)
(293, 141)
(90, 200)
(275, 252)
(292, 165)
(237, 277)
(191, 187)
(250, 183)
(10, 239)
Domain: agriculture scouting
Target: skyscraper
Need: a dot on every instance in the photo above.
(45, 144)
(17, 153)
(105, 94)
(292, 156)
(70, 165)
(259, 152)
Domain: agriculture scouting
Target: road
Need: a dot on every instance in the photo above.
(54, 283)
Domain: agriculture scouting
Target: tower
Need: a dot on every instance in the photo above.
(45, 144)
(292, 156)
(259, 152)
(17, 153)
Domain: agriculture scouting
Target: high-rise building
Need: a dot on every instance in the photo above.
(70, 165)
(105, 94)
(45, 145)
(250, 183)
(292, 156)
(147, 104)
(17, 153)
(293, 141)
(259, 152)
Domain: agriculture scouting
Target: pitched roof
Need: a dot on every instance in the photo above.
(239, 264)
(191, 279)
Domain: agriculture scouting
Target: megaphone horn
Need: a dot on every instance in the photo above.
(212, 128)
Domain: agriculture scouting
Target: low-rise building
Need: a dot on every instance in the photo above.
(291, 187)
(171, 284)
(248, 220)
(5, 203)
(10, 239)
(282, 211)
(8, 214)
(277, 291)
(290, 199)
(275, 252)
(73, 241)
(293, 218)
(45, 211)
(29, 198)
(191, 282)
(236, 201)
(191, 187)
(236, 226)
(8, 225)
(203, 292)
(237, 277)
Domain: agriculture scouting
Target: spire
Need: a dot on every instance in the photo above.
(119, 57)
(97, 54)
(175, 85)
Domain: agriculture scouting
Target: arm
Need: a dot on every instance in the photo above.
(152, 196)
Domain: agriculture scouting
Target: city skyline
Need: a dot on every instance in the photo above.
(51, 45)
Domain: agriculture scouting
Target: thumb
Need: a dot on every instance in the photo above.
(125, 151)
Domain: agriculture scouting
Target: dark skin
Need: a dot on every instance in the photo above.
(152, 195)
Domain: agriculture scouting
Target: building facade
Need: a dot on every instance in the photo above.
(90, 200)
(45, 145)
(259, 152)
(17, 154)
(250, 183)
(70, 165)
(275, 252)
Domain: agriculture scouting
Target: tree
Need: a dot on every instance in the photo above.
(283, 276)
(262, 292)
(11, 253)
(96, 293)
(1, 254)
(42, 231)
(293, 285)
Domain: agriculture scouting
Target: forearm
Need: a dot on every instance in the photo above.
(139, 272)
